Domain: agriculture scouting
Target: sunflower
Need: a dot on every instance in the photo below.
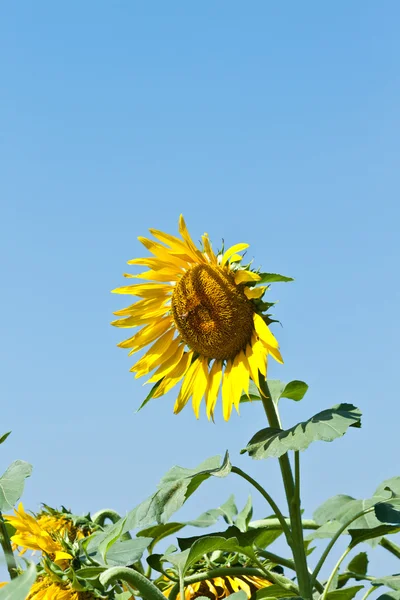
(221, 587)
(45, 533)
(202, 312)
(46, 589)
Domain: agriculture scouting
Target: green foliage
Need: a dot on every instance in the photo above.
(274, 277)
(344, 594)
(18, 589)
(325, 426)
(294, 390)
(12, 484)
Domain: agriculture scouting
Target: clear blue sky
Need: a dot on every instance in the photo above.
(275, 123)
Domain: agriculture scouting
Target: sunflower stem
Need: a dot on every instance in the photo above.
(269, 499)
(146, 588)
(7, 549)
(292, 491)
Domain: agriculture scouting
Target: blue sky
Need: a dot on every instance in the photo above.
(271, 123)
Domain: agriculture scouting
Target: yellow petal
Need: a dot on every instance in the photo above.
(231, 251)
(136, 321)
(186, 236)
(227, 398)
(163, 253)
(276, 354)
(61, 556)
(200, 386)
(174, 376)
(255, 292)
(149, 290)
(243, 276)
(186, 390)
(140, 306)
(235, 258)
(169, 365)
(159, 352)
(160, 275)
(264, 333)
(208, 248)
(147, 334)
(214, 383)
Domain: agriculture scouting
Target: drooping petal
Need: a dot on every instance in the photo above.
(200, 387)
(243, 276)
(214, 383)
(255, 292)
(174, 376)
(227, 396)
(186, 390)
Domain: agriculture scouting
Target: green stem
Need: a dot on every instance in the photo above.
(299, 554)
(285, 562)
(146, 588)
(368, 592)
(280, 580)
(270, 501)
(275, 524)
(335, 569)
(108, 513)
(7, 549)
(220, 572)
(335, 539)
(390, 546)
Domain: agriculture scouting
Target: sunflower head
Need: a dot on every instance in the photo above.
(203, 316)
(222, 587)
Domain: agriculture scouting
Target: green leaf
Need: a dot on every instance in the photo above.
(159, 532)
(4, 437)
(12, 484)
(273, 591)
(173, 491)
(273, 277)
(391, 581)
(325, 426)
(18, 589)
(228, 511)
(331, 507)
(294, 390)
(359, 564)
(113, 533)
(393, 484)
(389, 596)
(388, 512)
(127, 552)
(243, 518)
(89, 572)
(241, 595)
(345, 593)
(123, 596)
(150, 394)
(372, 534)
(327, 530)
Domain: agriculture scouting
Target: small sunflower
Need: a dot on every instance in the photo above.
(45, 533)
(222, 587)
(202, 312)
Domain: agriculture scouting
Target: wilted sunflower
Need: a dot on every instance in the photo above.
(221, 587)
(44, 532)
(202, 313)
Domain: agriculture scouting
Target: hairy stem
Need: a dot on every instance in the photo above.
(297, 545)
(146, 588)
(282, 521)
(390, 546)
(7, 549)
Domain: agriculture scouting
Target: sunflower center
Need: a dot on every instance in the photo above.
(212, 313)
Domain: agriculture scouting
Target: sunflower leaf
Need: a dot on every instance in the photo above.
(149, 395)
(345, 593)
(294, 390)
(325, 426)
(12, 483)
(18, 589)
(273, 277)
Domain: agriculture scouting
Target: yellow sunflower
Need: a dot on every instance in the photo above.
(44, 533)
(46, 589)
(221, 587)
(202, 313)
